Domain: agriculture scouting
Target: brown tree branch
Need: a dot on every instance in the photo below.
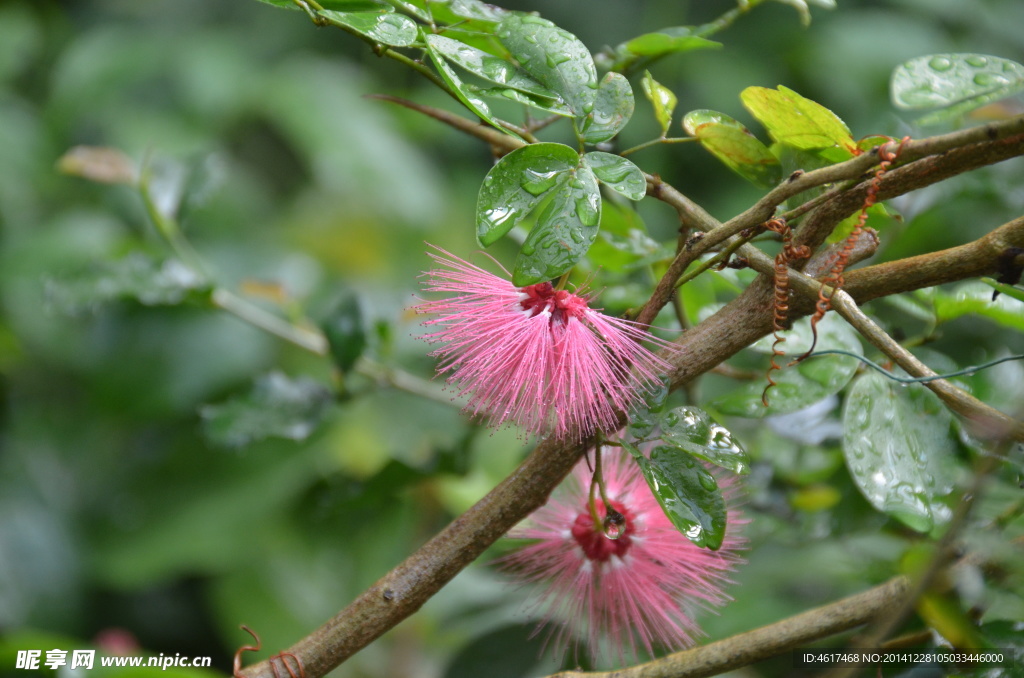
(767, 641)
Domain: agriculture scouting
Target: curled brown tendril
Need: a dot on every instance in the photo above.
(298, 672)
(834, 278)
(780, 318)
(245, 648)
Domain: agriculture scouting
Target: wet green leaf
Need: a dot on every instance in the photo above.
(555, 106)
(976, 298)
(136, 277)
(554, 57)
(687, 492)
(648, 47)
(517, 184)
(956, 82)
(691, 429)
(617, 173)
(384, 26)
(277, 407)
(796, 121)
(898, 448)
(663, 100)
(466, 94)
(734, 145)
(565, 229)
(477, 10)
(487, 66)
(346, 332)
(804, 384)
(613, 107)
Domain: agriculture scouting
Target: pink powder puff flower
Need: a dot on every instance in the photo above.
(636, 591)
(535, 356)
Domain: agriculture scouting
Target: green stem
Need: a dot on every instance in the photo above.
(655, 142)
(712, 262)
(226, 300)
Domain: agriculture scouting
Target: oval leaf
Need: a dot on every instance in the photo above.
(898, 449)
(517, 184)
(487, 66)
(939, 80)
(554, 57)
(663, 100)
(734, 145)
(667, 41)
(959, 83)
(613, 107)
(687, 492)
(385, 26)
(618, 173)
(346, 333)
(465, 94)
(692, 430)
(795, 121)
(555, 106)
(565, 230)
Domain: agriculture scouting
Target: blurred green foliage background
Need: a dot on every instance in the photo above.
(115, 509)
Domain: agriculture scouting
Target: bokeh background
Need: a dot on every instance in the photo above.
(117, 511)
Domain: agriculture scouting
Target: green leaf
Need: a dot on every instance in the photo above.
(734, 145)
(276, 407)
(687, 492)
(346, 332)
(663, 100)
(879, 216)
(348, 5)
(517, 184)
(648, 47)
(466, 94)
(136, 276)
(618, 173)
(565, 229)
(613, 107)
(898, 449)
(691, 429)
(801, 385)
(477, 10)
(554, 57)
(384, 26)
(797, 122)
(957, 82)
(487, 66)
(555, 106)
(976, 298)
(667, 41)
(1009, 290)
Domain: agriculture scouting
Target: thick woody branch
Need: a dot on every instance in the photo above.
(767, 641)
(974, 148)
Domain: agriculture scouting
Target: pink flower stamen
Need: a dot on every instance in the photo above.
(535, 356)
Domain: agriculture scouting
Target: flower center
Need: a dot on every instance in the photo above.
(592, 539)
(561, 304)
